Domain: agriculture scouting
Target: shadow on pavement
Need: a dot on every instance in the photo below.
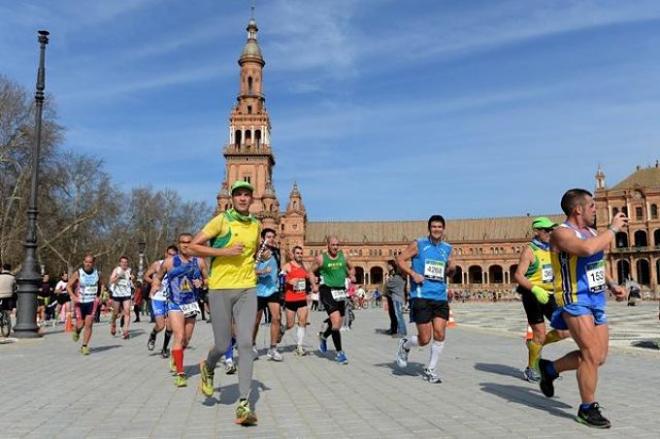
(528, 397)
(104, 348)
(647, 344)
(500, 369)
(413, 368)
(229, 394)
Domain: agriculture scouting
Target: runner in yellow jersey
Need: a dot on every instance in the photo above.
(231, 239)
(534, 276)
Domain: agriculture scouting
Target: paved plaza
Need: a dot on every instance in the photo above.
(121, 390)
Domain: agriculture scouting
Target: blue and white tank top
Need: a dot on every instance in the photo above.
(88, 285)
(431, 262)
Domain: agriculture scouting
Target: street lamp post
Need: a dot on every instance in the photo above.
(29, 278)
(141, 246)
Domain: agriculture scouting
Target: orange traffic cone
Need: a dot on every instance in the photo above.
(68, 324)
(529, 334)
(451, 323)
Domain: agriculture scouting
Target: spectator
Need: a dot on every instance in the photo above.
(395, 291)
(7, 289)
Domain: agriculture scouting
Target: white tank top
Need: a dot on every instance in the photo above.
(161, 294)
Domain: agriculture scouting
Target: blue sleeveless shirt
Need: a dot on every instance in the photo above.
(180, 278)
(431, 262)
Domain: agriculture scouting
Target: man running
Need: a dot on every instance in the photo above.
(159, 303)
(534, 276)
(578, 262)
(84, 287)
(428, 263)
(333, 267)
(268, 294)
(186, 275)
(296, 279)
(234, 238)
(121, 286)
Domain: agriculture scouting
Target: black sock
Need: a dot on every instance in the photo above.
(168, 334)
(327, 332)
(153, 334)
(336, 339)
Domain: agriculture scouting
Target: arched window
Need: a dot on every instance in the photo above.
(654, 211)
(656, 239)
(238, 137)
(457, 278)
(622, 271)
(249, 84)
(512, 271)
(376, 275)
(621, 240)
(643, 272)
(495, 274)
(359, 275)
(640, 239)
(475, 274)
(257, 137)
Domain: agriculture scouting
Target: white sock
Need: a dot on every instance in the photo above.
(412, 341)
(300, 335)
(436, 350)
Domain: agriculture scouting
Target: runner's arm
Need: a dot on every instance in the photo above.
(205, 271)
(564, 239)
(70, 286)
(153, 268)
(316, 264)
(403, 261)
(199, 247)
(351, 269)
(526, 258)
(451, 268)
(619, 291)
(159, 275)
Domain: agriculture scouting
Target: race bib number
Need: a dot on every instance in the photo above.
(434, 270)
(90, 290)
(300, 285)
(190, 309)
(596, 276)
(338, 294)
(547, 275)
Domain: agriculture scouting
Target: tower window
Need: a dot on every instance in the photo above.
(249, 84)
(639, 215)
(249, 109)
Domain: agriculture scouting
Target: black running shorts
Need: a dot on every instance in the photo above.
(425, 310)
(535, 310)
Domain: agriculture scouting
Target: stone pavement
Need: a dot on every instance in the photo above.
(121, 390)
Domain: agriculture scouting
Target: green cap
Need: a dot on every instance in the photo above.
(543, 222)
(241, 184)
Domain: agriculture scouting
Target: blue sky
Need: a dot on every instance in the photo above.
(381, 109)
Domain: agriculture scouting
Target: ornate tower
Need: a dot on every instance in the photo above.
(293, 221)
(600, 179)
(248, 154)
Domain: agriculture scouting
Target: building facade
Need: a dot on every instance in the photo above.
(486, 250)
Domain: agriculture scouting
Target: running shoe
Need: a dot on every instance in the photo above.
(244, 415)
(230, 367)
(206, 383)
(181, 380)
(273, 355)
(84, 350)
(125, 335)
(402, 354)
(545, 383)
(151, 343)
(113, 329)
(531, 375)
(341, 358)
(165, 353)
(431, 376)
(75, 335)
(255, 351)
(592, 417)
(323, 344)
(300, 351)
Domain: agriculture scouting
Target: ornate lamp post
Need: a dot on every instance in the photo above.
(141, 246)
(29, 278)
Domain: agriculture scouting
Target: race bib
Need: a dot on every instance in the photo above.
(434, 270)
(190, 309)
(547, 275)
(596, 276)
(338, 294)
(299, 285)
(90, 290)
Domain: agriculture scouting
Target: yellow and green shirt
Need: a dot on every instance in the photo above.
(233, 272)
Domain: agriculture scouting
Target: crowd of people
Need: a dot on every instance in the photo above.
(231, 270)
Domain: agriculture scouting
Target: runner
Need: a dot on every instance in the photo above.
(84, 287)
(534, 276)
(121, 286)
(159, 304)
(268, 294)
(234, 237)
(186, 275)
(428, 263)
(333, 267)
(62, 297)
(295, 296)
(578, 261)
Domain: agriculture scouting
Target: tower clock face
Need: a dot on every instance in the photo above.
(637, 195)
